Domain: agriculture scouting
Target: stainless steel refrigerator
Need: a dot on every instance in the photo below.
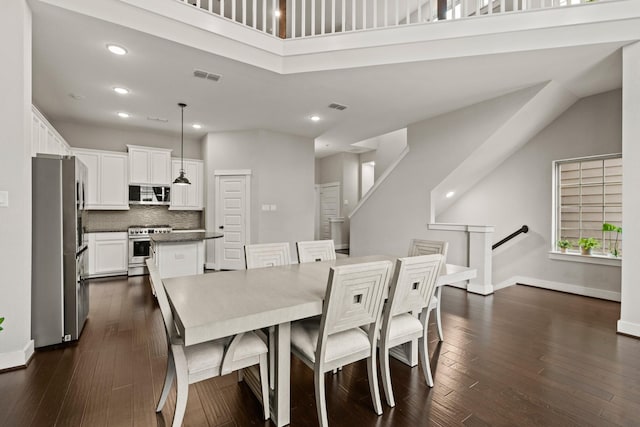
(59, 294)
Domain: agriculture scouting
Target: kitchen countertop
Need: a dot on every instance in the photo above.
(184, 237)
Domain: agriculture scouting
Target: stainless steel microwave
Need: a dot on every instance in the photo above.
(149, 195)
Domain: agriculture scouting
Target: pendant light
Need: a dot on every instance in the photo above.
(182, 179)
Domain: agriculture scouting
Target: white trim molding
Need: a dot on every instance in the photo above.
(560, 286)
(588, 259)
(379, 181)
(221, 172)
(17, 359)
(628, 328)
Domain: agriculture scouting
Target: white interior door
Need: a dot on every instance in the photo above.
(329, 207)
(232, 217)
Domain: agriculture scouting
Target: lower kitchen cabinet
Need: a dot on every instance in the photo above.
(108, 254)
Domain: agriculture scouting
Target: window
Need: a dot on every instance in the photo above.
(588, 194)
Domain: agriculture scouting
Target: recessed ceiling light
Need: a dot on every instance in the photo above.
(315, 118)
(123, 115)
(450, 194)
(121, 90)
(196, 126)
(116, 50)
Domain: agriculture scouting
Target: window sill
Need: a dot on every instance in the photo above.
(589, 259)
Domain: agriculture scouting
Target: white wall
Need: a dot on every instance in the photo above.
(389, 147)
(282, 174)
(519, 192)
(15, 178)
(82, 135)
(629, 311)
(399, 209)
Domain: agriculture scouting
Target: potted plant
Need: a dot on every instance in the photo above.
(610, 227)
(564, 245)
(587, 244)
(1, 320)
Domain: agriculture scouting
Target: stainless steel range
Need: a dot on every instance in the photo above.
(139, 246)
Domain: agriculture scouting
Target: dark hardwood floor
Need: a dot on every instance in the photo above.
(522, 357)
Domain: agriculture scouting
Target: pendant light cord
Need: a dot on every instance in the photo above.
(182, 138)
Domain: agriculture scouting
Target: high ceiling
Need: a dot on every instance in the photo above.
(70, 57)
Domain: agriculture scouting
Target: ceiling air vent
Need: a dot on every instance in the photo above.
(206, 75)
(157, 119)
(336, 106)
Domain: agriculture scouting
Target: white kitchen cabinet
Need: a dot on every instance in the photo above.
(188, 197)
(44, 138)
(108, 185)
(149, 166)
(108, 254)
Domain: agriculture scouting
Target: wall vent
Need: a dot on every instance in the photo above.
(336, 106)
(157, 119)
(201, 74)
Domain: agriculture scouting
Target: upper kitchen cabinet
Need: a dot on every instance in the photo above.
(149, 166)
(44, 138)
(188, 197)
(108, 186)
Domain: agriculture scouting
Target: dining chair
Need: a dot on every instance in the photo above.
(200, 362)
(267, 255)
(316, 250)
(411, 290)
(353, 299)
(429, 247)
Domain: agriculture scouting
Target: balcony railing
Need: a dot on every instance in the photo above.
(307, 18)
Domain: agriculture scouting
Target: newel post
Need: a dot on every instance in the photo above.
(480, 238)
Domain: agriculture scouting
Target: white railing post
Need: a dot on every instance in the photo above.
(303, 19)
(274, 23)
(313, 17)
(353, 15)
(333, 16)
(480, 256)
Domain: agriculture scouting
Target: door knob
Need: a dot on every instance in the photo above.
(221, 227)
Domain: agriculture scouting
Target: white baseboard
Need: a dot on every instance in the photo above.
(562, 287)
(480, 289)
(17, 359)
(342, 246)
(210, 266)
(629, 328)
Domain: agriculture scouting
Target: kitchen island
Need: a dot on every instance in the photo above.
(180, 254)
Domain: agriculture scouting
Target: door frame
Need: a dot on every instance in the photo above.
(318, 225)
(247, 208)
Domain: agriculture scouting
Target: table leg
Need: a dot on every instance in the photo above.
(281, 395)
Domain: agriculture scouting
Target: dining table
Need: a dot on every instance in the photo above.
(211, 306)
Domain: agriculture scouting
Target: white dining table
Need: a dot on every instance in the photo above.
(211, 306)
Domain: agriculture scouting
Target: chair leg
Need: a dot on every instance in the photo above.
(264, 384)
(423, 349)
(182, 380)
(438, 315)
(386, 373)
(321, 403)
(372, 370)
(168, 380)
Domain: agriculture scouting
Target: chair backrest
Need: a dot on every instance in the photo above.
(316, 250)
(267, 255)
(428, 247)
(354, 296)
(163, 302)
(414, 280)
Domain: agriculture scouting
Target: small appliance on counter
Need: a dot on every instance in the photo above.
(139, 246)
(59, 293)
(149, 195)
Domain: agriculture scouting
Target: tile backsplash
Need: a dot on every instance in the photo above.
(97, 221)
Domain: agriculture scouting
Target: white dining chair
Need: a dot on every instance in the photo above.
(200, 362)
(262, 255)
(429, 247)
(353, 299)
(316, 250)
(411, 291)
(267, 255)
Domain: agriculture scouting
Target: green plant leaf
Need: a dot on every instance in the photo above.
(1, 320)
